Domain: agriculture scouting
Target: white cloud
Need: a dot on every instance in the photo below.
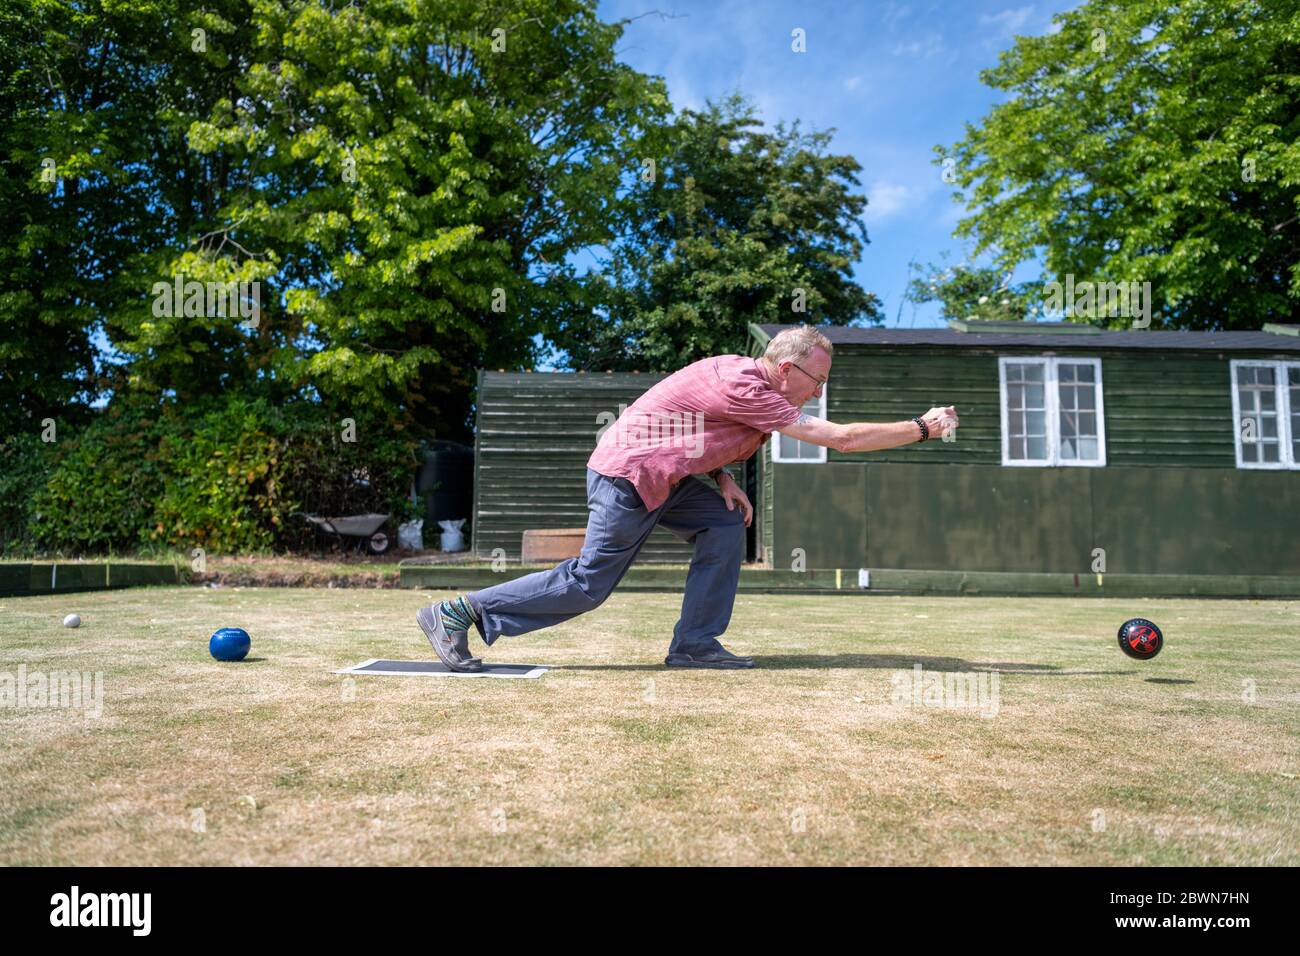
(1009, 20)
(853, 82)
(885, 199)
(895, 12)
(952, 213)
(767, 107)
(681, 92)
(924, 48)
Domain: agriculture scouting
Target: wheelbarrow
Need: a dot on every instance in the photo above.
(363, 528)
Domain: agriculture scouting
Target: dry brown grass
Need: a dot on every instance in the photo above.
(612, 759)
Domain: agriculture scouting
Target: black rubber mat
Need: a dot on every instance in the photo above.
(385, 668)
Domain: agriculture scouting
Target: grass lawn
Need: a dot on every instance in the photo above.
(1076, 755)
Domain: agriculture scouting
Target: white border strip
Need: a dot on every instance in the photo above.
(536, 670)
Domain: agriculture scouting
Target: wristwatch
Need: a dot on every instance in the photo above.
(717, 473)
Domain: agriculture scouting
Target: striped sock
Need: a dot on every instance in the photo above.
(459, 614)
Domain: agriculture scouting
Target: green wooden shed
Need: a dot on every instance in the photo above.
(1129, 452)
(533, 435)
(1132, 452)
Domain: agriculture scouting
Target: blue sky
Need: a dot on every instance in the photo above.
(892, 77)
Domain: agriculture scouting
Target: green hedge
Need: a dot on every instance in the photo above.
(104, 479)
(225, 476)
(24, 468)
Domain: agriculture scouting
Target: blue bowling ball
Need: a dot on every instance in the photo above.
(229, 644)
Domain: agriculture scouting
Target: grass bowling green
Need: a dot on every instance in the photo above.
(873, 730)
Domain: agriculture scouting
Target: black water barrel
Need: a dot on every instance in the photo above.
(446, 483)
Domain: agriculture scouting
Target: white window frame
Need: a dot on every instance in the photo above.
(821, 449)
(1051, 386)
(1281, 401)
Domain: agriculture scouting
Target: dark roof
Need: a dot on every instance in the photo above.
(1136, 339)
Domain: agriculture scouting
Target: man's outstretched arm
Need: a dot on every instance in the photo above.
(870, 436)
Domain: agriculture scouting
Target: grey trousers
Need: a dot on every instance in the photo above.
(617, 527)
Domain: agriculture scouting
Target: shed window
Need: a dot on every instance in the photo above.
(1266, 410)
(787, 449)
(1052, 412)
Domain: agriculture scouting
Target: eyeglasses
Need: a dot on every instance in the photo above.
(820, 381)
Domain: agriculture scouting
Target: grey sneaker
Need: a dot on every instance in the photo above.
(452, 647)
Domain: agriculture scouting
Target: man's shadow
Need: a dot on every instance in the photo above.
(891, 662)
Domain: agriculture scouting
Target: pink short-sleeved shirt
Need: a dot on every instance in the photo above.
(714, 412)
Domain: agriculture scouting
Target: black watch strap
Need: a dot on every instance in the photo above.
(925, 429)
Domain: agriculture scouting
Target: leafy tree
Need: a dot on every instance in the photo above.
(71, 102)
(404, 180)
(735, 224)
(412, 167)
(975, 292)
(1153, 142)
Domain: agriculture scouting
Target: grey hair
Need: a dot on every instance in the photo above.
(796, 344)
